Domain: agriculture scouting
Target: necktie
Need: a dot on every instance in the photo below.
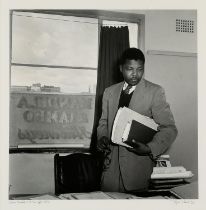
(126, 91)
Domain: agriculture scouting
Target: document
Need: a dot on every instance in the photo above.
(171, 173)
(97, 195)
(169, 170)
(86, 196)
(44, 197)
(123, 121)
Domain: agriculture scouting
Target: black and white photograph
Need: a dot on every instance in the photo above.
(102, 105)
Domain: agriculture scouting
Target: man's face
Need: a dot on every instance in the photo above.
(132, 71)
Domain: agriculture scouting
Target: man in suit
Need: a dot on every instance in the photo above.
(130, 169)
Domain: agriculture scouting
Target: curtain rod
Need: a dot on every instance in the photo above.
(120, 24)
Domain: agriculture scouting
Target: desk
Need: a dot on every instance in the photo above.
(189, 191)
(98, 195)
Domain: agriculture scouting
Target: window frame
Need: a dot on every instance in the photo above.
(100, 15)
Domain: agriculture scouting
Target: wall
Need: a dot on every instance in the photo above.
(176, 73)
(171, 61)
(160, 31)
(31, 173)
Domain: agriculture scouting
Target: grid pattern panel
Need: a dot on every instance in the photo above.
(184, 26)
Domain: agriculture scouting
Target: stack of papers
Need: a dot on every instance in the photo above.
(169, 177)
(85, 196)
(97, 195)
(124, 119)
(178, 172)
(165, 176)
(44, 197)
(36, 197)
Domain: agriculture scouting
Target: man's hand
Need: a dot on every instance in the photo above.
(103, 144)
(140, 148)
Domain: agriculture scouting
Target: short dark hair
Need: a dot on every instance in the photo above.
(132, 54)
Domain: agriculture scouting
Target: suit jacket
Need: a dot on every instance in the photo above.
(148, 99)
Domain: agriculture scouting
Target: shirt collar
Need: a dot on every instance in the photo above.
(132, 88)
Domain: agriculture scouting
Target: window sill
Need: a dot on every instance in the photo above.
(47, 150)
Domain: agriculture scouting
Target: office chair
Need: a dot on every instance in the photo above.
(77, 172)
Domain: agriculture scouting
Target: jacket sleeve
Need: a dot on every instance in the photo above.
(102, 129)
(167, 130)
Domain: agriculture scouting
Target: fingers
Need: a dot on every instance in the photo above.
(139, 148)
(103, 145)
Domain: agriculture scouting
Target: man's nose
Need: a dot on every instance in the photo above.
(134, 72)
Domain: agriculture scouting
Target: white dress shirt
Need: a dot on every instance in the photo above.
(132, 88)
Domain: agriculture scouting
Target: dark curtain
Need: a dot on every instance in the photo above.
(113, 41)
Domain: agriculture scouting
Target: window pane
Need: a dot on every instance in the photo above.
(51, 106)
(54, 40)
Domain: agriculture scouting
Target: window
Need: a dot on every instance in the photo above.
(53, 78)
(41, 43)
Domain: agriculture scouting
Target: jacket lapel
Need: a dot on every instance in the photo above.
(114, 97)
(137, 100)
(113, 104)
